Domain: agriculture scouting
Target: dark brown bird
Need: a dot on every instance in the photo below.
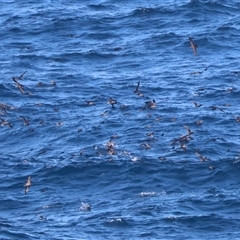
(81, 152)
(90, 103)
(42, 218)
(137, 91)
(188, 129)
(19, 78)
(146, 145)
(110, 146)
(194, 46)
(59, 124)
(20, 86)
(27, 184)
(112, 101)
(4, 122)
(183, 145)
(85, 207)
(212, 140)
(196, 104)
(235, 72)
(137, 88)
(25, 121)
(150, 134)
(202, 159)
(216, 108)
(185, 137)
(150, 104)
(237, 119)
(199, 72)
(4, 108)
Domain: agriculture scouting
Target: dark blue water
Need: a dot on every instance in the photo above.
(126, 161)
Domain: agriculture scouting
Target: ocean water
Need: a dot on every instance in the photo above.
(127, 171)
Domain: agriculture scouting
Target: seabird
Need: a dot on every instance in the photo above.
(4, 122)
(150, 104)
(146, 145)
(58, 124)
(196, 104)
(237, 119)
(19, 78)
(183, 145)
(81, 152)
(28, 184)
(216, 108)
(211, 167)
(110, 146)
(188, 129)
(4, 107)
(194, 46)
(137, 88)
(25, 121)
(150, 134)
(199, 122)
(90, 103)
(185, 137)
(202, 159)
(112, 101)
(20, 86)
(85, 207)
(212, 140)
(137, 91)
(199, 72)
(42, 218)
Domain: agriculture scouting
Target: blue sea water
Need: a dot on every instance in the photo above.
(125, 161)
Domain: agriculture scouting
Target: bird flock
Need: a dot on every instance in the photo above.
(180, 143)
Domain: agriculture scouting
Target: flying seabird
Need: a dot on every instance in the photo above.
(137, 88)
(4, 108)
(4, 122)
(146, 145)
(185, 137)
(199, 72)
(19, 78)
(183, 145)
(197, 104)
(194, 46)
(20, 86)
(202, 159)
(188, 129)
(28, 184)
(25, 121)
(137, 91)
(216, 108)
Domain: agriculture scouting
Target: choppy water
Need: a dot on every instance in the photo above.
(142, 187)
